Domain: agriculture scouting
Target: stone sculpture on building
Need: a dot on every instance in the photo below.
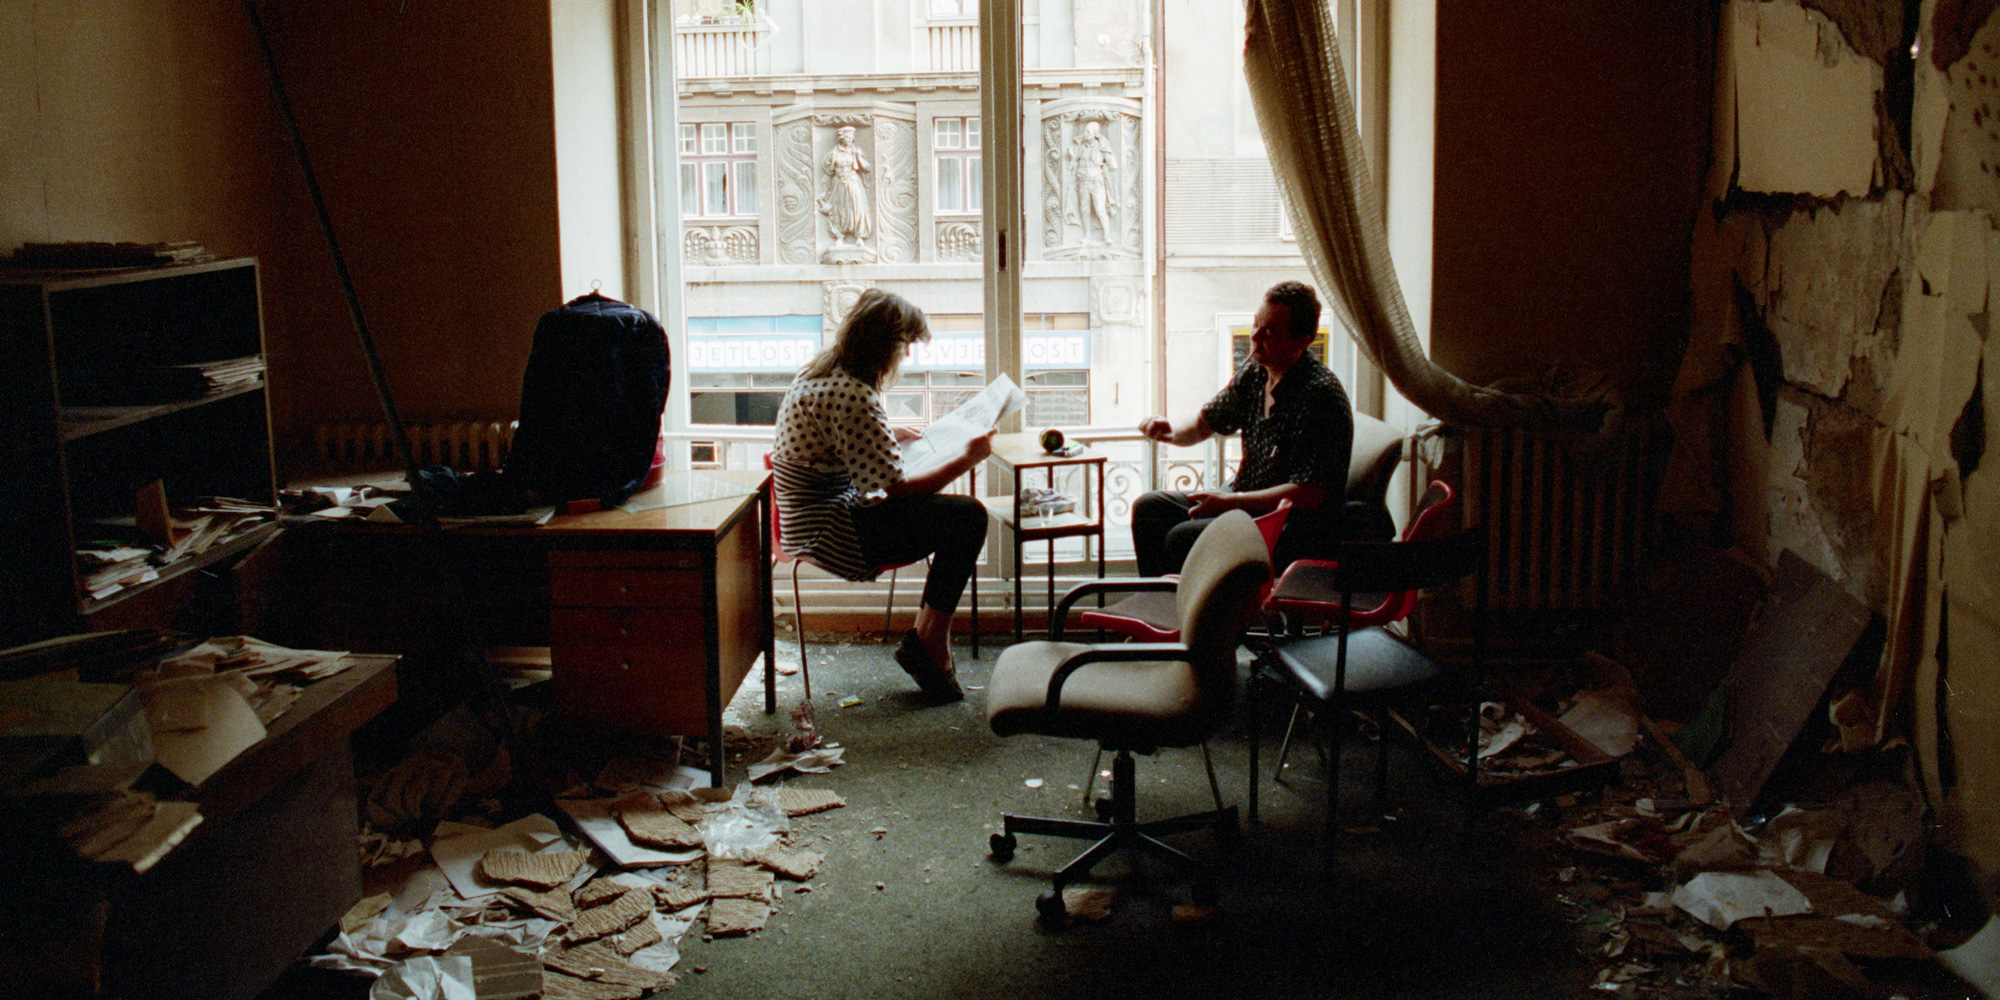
(844, 199)
(1094, 174)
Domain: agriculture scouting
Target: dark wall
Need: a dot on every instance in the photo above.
(1570, 144)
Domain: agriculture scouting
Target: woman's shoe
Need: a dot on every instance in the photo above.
(939, 681)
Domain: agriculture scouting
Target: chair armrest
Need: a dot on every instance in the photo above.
(1124, 652)
(1060, 619)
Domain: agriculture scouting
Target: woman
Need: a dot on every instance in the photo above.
(846, 502)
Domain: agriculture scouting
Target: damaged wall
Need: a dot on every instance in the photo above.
(1837, 385)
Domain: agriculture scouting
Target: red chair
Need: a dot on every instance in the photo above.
(1149, 614)
(888, 606)
(1308, 589)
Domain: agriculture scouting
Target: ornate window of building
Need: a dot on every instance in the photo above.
(718, 170)
(956, 142)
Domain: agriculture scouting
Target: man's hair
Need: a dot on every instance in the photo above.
(1299, 299)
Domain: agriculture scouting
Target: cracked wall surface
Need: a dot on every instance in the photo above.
(1836, 388)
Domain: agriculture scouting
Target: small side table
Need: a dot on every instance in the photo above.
(1020, 454)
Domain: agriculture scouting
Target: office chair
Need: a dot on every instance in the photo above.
(1150, 614)
(888, 605)
(1366, 667)
(1135, 698)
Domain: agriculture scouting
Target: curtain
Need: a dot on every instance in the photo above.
(1307, 117)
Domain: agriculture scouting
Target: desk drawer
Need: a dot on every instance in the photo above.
(659, 690)
(623, 626)
(624, 588)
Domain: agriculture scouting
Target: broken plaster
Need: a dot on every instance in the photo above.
(1968, 174)
(1825, 286)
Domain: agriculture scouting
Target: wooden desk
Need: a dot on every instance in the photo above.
(1020, 454)
(653, 619)
(270, 868)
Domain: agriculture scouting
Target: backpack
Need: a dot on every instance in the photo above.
(591, 399)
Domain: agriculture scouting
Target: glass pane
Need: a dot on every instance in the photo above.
(972, 132)
(746, 188)
(687, 137)
(945, 134)
(904, 407)
(690, 204)
(972, 181)
(715, 138)
(746, 137)
(951, 195)
(715, 189)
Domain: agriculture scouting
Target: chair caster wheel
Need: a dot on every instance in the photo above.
(1103, 807)
(1206, 893)
(1002, 846)
(1050, 906)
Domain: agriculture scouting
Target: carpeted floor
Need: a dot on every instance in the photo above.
(909, 904)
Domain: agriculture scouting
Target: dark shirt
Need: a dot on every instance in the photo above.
(1307, 437)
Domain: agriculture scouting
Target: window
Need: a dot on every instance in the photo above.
(956, 142)
(738, 367)
(954, 8)
(718, 170)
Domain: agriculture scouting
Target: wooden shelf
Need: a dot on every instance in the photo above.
(1032, 528)
(83, 421)
(219, 552)
(69, 465)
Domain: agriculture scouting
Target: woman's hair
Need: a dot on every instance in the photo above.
(871, 341)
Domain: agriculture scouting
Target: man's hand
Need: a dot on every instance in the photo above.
(1211, 503)
(1157, 428)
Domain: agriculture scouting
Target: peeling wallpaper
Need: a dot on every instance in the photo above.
(1840, 335)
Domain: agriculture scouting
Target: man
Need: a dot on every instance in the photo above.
(1297, 433)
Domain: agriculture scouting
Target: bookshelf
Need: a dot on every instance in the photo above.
(115, 379)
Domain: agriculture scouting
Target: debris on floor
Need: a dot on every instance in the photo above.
(1682, 895)
(589, 901)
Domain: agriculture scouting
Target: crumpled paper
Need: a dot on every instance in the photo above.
(427, 977)
(751, 820)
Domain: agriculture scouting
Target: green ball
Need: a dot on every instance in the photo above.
(1052, 440)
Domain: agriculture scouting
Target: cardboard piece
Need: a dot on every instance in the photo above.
(1807, 631)
(1805, 102)
(458, 848)
(599, 822)
(499, 972)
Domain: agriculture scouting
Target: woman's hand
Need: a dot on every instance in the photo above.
(977, 449)
(902, 434)
(1158, 429)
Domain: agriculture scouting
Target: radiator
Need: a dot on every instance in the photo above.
(1567, 525)
(466, 446)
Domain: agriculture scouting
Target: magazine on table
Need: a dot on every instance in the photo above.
(946, 437)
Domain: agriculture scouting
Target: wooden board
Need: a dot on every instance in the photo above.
(1805, 633)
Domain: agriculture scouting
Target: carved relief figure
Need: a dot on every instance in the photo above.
(845, 202)
(1094, 172)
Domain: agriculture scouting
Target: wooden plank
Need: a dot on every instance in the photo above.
(1807, 630)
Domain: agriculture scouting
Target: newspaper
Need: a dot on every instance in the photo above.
(946, 438)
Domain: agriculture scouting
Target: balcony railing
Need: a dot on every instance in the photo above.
(1133, 465)
(704, 50)
(953, 46)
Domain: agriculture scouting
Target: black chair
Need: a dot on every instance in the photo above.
(1367, 667)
